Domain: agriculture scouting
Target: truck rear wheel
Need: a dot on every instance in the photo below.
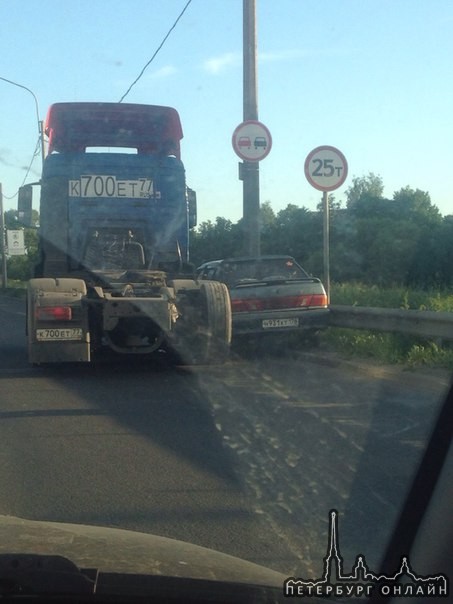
(205, 331)
(216, 316)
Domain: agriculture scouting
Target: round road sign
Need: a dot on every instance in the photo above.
(326, 168)
(252, 141)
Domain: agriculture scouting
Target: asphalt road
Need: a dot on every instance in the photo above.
(247, 458)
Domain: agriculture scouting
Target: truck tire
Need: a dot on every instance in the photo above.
(217, 323)
(203, 336)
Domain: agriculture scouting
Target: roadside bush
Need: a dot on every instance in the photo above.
(19, 268)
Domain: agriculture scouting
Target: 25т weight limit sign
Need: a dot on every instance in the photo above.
(326, 168)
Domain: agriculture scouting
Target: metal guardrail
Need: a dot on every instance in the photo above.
(424, 323)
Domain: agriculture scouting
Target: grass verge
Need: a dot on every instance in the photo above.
(390, 348)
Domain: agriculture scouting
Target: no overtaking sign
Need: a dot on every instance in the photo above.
(252, 141)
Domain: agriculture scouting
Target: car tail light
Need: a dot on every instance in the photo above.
(275, 303)
(302, 301)
(54, 313)
(298, 301)
(318, 300)
(246, 305)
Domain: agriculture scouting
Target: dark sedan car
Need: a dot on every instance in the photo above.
(270, 294)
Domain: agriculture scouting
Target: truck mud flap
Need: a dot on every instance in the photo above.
(57, 321)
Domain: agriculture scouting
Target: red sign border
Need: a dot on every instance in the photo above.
(307, 163)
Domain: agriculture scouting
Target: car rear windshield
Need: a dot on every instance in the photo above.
(241, 271)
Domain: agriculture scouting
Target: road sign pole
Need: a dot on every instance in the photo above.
(326, 244)
(326, 169)
(251, 182)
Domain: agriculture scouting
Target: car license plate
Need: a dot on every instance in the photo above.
(59, 333)
(270, 323)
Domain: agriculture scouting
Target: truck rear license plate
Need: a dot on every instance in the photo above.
(59, 333)
(270, 323)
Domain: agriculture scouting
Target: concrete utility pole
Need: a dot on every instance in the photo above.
(2, 242)
(250, 170)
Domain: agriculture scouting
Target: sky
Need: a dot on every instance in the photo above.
(372, 78)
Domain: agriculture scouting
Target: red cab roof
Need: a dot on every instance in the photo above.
(148, 128)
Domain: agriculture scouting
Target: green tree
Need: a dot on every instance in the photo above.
(289, 233)
(215, 240)
(387, 248)
(334, 205)
(364, 188)
(403, 240)
(11, 221)
(416, 205)
(389, 233)
(19, 268)
(432, 264)
(267, 216)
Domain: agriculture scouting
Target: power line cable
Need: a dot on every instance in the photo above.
(39, 147)
(36, 152)
(31, 92)
(154, 55)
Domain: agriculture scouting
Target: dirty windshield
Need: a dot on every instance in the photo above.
(226, 279)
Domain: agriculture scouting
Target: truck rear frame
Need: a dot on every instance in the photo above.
(133, 292)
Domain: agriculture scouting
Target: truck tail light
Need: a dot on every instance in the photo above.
(53, 313)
